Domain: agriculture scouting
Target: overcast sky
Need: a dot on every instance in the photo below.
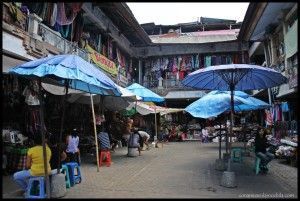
(173, 13)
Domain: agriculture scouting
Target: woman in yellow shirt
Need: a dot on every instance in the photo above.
(34, 163)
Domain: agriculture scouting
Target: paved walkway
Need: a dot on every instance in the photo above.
(178, 170)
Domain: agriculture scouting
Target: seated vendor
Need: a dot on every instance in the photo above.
(135, 140)
(260, 148)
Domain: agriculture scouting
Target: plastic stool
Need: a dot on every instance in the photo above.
(65, 171)
(105, 153)
(257, 165)
(236, 154)
(74, 178)
(33, 191)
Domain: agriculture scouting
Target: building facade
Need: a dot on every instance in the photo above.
(272, 31)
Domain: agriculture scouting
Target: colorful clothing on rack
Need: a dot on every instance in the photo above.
(207, 61)
(268, 117)
(284, 107)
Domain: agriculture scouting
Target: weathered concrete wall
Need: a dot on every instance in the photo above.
(178, 49)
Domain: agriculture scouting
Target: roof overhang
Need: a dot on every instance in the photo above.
(259, 16)
(272, 15)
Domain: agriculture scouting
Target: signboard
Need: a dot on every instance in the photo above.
(102, 62)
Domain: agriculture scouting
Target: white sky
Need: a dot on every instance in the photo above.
(173, 13)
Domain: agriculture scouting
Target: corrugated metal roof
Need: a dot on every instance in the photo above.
(184, 94)
(193, 39)
(197, 37)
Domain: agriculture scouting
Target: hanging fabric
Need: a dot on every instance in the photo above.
(284, 107)
(44, 12)
(197, 62)
(213, 60)
(170, 64)
(66, 14)
(174, 67)
(207, 61)
(223, 59)
(193, 62)
(218, 60)
(53, 15)
(268, 117)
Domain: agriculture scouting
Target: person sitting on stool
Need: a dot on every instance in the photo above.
(135, 140)
(103, 139)
(260, 149)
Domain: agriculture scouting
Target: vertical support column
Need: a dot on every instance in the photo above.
(140, 72)
(33, 25)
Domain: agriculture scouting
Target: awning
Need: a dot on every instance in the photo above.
(145, 108)
(184, 94)
(9, 62)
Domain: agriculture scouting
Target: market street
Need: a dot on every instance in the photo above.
(178, 170)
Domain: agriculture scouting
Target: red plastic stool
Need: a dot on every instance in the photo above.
(105, 153)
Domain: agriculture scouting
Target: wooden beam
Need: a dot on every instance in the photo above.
(179, 49)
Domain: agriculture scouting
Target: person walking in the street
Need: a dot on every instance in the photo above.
(260, 148)
(34, 163)
(72, 151)
(145, 137)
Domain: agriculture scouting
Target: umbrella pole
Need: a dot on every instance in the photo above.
(95, 132)
(42, 126)
(155, 122)
(220, 141)
(61, 125)
(231, 125)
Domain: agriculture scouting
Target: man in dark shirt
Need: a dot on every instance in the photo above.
(261, 149)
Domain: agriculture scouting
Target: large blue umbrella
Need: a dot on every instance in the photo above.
(146, 94)
(214, 103)
(234, 77)
(81, 74)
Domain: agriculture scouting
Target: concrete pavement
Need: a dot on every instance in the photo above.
(178, 170)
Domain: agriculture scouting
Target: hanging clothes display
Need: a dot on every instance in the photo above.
(181, 75)
(174, 67)
(193, 62)
(228, 59)
(196, 66)
(223, 59)
(284, 107)
(218, 60)
(66, 12)
(32, 112)
(64, 30)
(78, 27)
(207, 61)
(188, 63)
(53, 15)
(268, 118)
(213, 60)
(170, 64)
(236, 59)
